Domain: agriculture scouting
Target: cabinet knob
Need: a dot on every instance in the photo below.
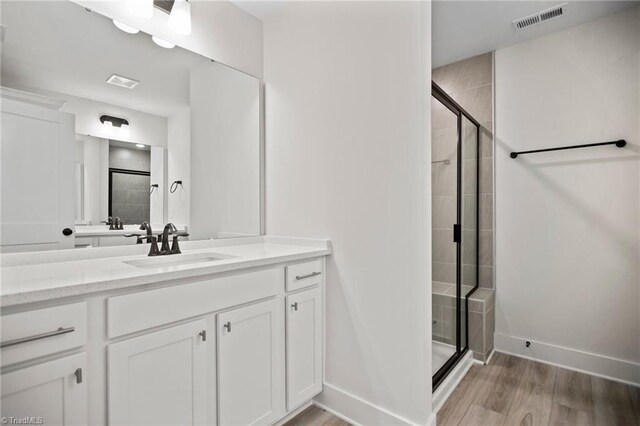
(203, 334)
(295, 306)
(78, 374)
(228, 326)
(67, 231)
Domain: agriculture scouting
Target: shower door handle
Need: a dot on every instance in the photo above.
(456, 233)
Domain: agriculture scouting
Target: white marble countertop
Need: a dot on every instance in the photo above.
(36, 277)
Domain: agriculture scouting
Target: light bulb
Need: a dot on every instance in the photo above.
(180, 17)
(126, 28)
(163, 43)
(124, 130)
(141, 8)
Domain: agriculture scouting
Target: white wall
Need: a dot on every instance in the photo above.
(225, 152)
(144, 128)
(178, 159)
(347, 125)
(568, 223)
(220, 31)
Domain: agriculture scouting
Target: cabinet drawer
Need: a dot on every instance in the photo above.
(305, 274)
(32, 334)
(139, 311)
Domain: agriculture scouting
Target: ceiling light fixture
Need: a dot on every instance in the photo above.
(126, 28)
(139, 145)
(141, 8)
(163, 43)
(180, 17)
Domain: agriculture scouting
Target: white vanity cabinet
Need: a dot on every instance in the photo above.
(250, 360)
(160, 377)
(52, 393)
(304, 346)
(235, 348)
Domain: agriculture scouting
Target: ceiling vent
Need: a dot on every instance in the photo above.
(539, 17)
(120, 81)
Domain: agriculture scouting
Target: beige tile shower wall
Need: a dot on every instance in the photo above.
(470, 83)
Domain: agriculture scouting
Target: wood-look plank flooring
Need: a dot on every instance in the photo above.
(315, 416)
(517, 391)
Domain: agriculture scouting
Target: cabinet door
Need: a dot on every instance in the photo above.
(55, 392)
(160, 378)
(304, 346)
(250, 364)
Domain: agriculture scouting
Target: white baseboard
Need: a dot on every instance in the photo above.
(489, 357)
(356, 410)
(452, 381)
(597, 365)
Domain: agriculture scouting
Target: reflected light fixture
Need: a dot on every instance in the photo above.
(180, 17)
(124, 130)
(163, 43)
(139, 145)
(126, 28)
(141, 8)
(110, 124)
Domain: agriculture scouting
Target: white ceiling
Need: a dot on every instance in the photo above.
(60, 47)
(462, 29)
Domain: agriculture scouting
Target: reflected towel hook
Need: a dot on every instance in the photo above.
(152, 188)
(174, 186)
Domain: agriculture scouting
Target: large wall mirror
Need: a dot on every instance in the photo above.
(101, 122)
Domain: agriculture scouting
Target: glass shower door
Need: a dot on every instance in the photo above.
(455, 182)
(444, 181)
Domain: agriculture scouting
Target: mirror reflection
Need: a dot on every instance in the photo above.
(103, 130)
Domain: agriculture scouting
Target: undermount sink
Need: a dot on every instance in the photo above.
(173, 260)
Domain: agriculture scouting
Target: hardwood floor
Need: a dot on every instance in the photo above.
(314, 416)
(517, 391)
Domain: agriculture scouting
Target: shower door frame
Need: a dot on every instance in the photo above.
(440, 95)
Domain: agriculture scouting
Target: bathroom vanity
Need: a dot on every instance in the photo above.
(228, 332)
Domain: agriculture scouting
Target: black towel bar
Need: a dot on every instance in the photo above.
(619, 143)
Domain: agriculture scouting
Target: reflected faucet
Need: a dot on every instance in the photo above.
(117, 224)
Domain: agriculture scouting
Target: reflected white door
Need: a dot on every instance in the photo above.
(37, 178)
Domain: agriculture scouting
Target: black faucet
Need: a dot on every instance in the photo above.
(169, 229)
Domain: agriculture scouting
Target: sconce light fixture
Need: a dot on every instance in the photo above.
(163, 43)
(180, 17)
(110, 123)
(126, 28)
(141, 8)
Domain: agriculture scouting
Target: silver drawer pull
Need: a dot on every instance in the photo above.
(302, 277)
(58, 332)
